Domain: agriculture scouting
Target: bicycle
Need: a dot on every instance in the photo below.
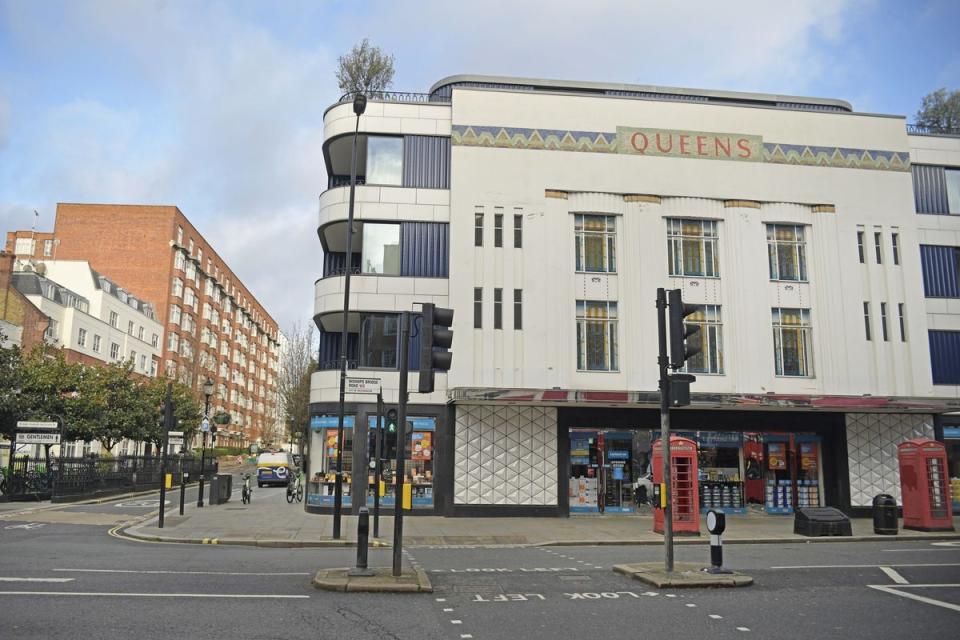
(295, 490)
(246, 493)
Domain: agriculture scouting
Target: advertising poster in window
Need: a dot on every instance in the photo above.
(422, 446)
(776, 455)
(808, 456)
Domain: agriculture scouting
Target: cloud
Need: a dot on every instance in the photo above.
(217, 106)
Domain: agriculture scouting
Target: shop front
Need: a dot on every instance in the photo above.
(359, 461)
(951, 438)
(774, 463)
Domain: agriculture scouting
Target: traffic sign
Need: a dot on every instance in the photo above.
(175, 434)
(38, 438)
(175, 440)
(28, 425)
(363, 385)
(205, 425)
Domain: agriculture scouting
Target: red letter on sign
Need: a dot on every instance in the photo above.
(633, 141)
(719, 146)
(660, 146)
(701, 142)
(744, 145)
(684, 141)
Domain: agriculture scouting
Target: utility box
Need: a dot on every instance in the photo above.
(684, 488)
(924, 486)
(221, 487)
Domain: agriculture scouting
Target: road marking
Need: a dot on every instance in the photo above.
(466, 635)
(441, 599)
(142, 504)
(456, 622)
(36, 579)
(743, 629)
(690, 604)
(716, 617)
(906, 550)
(951, 543)
(192, 573)
(867, 566)
(28, 526)
(447, 609)
(893, 575)
(107, 594)
(897, 591)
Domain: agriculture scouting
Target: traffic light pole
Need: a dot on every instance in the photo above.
(167, 426)
(377, 454)
(663, 362)
(401, 444)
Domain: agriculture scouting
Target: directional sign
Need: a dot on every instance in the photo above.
(205, 425)
(28, 425)
(175, 440)
(175, 434)
(38, 438)
(363, 385)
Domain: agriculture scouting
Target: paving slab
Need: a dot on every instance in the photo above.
(382, 581)
(684, 576)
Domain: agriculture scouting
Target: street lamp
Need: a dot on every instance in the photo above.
(207, 392)
(359, 106)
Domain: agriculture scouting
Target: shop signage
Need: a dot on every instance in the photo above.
(776, 458)
(618, 455)
(808, 456)
(330, 422)
(363, 385)
(705, 145)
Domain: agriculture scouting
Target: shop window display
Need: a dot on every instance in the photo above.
(418, 465)
(322, 481)
(785, 469)
(609, 470)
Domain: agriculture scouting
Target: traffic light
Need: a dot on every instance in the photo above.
(680, 351)
(435, 340)
(390, 436)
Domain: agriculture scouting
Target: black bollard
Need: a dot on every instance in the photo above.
(363, 540)
(183, 488)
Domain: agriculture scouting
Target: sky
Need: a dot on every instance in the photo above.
(217, 106)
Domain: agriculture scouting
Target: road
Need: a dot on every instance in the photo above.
(61, 579)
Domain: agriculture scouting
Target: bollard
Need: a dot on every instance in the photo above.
(183, 489)
(716, 523)
(363, 539)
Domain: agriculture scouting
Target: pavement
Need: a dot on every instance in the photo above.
(270, 522)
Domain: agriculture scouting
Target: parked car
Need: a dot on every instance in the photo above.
(275, 468)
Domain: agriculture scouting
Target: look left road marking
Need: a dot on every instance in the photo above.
(105, 594)
(2, 579)
(28, 526)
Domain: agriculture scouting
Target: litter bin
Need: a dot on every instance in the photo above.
(885, 515)
(220, 488)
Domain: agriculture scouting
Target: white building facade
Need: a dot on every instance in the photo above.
(547, 214)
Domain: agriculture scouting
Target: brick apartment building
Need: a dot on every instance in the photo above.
(213, 326)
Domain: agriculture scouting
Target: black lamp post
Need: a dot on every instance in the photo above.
(207, 392)
(359, 106)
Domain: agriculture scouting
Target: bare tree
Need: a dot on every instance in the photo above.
(365, 69)
(293, 382)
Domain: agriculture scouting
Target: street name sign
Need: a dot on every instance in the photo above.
(363, 385)
(175, 437)
(28, 425)
(38, 438)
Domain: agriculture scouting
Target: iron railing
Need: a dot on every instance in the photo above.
(66, 478)
(936, 131)
(393, 96)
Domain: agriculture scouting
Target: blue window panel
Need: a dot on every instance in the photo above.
(328, 353)
(426, 162)
(930, 189)
(945, 356)
(940, 266)
(334, 262)
(424, 249)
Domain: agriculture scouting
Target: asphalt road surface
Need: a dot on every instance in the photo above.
(59, 579)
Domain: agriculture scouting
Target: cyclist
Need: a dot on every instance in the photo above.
(247, 492)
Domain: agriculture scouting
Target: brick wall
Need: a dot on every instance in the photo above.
(16, 309)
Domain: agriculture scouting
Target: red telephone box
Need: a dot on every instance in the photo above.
(924, 486)
(684, 486)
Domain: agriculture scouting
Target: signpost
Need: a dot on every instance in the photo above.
(363, 385)
(27, 425)
(175, 438)
(38, 438)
